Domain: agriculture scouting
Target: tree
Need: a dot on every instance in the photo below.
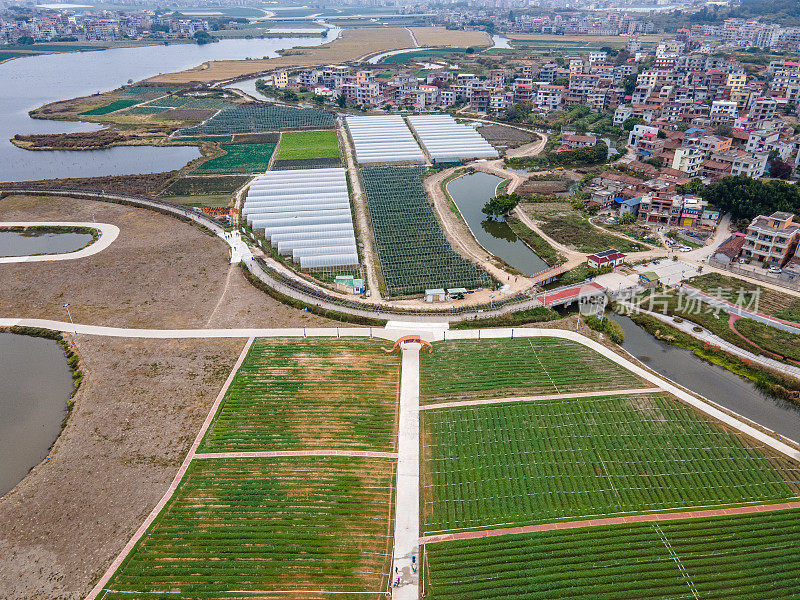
(628, 218)
(724, 130)
(631, 122)
(661, 135)
(203, 37)
(695, 186)
(502, 204)
(26, 40)
(629, 83)
(746, 198)
(561, 81)
(341, 100)
(780, 169)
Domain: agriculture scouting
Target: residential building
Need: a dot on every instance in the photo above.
(607, 258)
(772, 239)
(688, 160)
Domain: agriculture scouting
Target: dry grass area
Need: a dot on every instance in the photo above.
(139, 408)
(159, 273)
(439, 36)
(352, 44)
(600, 39)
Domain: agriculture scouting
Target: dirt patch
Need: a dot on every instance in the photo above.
(532, 187)
(506, 136)
(439, 36)
(159, 273)
(137, 412)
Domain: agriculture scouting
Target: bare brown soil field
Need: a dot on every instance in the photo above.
(136, 414)
(439, 36)
(506, 136)
(351, 45)
(601, 39)
(159, 273)
(531, 186)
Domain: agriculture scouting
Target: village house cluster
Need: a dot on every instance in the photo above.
(90, 26)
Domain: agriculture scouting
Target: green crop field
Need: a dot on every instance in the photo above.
(251, 118)
(467, 369)
(529, 462)
(300, 394)
(743, 557)
(308, 144)
(264, 526)
(239, 158)
(109, 108)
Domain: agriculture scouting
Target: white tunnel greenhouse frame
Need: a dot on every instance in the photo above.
(447, 141)
(305, 214)
(383, 139)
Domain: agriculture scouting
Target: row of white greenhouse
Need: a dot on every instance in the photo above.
(445, 140)
(305, 214)
(382, 139)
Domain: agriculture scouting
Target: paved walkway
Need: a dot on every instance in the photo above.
(295, 453)
(648, 518)
(108, 233)
(99, 587)
(406, 521)
(590, 394)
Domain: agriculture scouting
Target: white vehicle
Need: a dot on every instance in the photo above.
(775, 270)
(685, 249)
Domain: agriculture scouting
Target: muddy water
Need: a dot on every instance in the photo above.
(16, 243)
(711, 381)
(35, 384)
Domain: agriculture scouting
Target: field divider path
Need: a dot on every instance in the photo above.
(100, 585)
(296, 453)
(582, 524)
(407, 518)
(485, 401)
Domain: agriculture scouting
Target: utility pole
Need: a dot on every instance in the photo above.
(74, 329)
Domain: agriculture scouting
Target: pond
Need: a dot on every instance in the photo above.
(470, 193)
(33, 81)
(35, 384)
(711, 381)
(18, 243)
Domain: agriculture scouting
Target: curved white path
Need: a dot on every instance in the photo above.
(108, 233)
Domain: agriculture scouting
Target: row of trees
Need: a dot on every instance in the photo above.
(746, 198)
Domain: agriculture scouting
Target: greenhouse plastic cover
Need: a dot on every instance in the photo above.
(447, 141)
(379, 139)
(305, 213)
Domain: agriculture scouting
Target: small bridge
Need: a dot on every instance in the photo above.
(572, 293)
(411, 339)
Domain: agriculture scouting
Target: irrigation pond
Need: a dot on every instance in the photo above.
(18, 243)
(35, 385)
(470, 193)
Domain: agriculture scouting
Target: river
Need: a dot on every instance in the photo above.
(711, 381)
(470, 193)
(35, 384)
(33, 81)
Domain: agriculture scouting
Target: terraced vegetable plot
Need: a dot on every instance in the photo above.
(267, 525)
(725, 558)
(298, 394)
(531, 462)
(248, 118)
(468, 369)
(239, 158)
(308, 144)
(413, 251)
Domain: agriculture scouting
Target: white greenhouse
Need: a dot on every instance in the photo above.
(447, 141)
(305, 214)
(383, 139)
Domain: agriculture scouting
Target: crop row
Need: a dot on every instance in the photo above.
(300, 394)
(264, 525)
(240, 158)
(414, 252)
(520, 463)
(248, 118)
(466, 369)
(732, 558)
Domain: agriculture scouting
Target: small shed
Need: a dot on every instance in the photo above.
(608, 258)
(648, 279)
(435, 295)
